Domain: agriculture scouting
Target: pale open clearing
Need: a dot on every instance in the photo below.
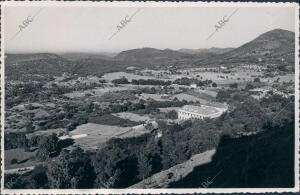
(95, 135)
(163, 179)
(212, 93)
(19, 170)
(187, 97)
(132, 116)
(99, 91)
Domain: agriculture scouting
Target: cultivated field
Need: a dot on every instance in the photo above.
(24, 159)
(95, 135)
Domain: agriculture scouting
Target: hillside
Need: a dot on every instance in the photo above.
(153, 56)
(17, 58)
(213, 50)
(79, 56)
(237, 162)
(18, 66)
(262, 160)
(94, 66)
(175, 173)
(274, 46)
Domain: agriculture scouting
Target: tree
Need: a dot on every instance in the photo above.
(233, 85)
(214, 85)
(249, 86)
(149, 127)
(122, 80)
(47, 146)
(257, 80)
(144, 166)
(282, 67)
(13, 161)
(71, 170)
(172, 114)
(14, 140)
(29, 127)
(36, 179)
(223, 95)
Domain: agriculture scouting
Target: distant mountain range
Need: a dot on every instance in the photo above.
(276, 46)
(80, 55)
(153, 56)
(271, 47)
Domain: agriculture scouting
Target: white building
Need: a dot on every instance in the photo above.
(199, 112)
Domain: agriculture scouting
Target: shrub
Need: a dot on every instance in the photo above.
(13, 161)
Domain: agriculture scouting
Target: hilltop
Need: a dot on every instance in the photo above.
(153, 56)
(273, 47)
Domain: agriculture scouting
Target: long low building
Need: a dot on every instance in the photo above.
(199, 112)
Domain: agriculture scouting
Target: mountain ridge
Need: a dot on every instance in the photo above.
(269, 47)
(275, 46)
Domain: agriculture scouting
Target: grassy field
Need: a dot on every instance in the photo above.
(188, 97)
(25, 159)
(98, 134)
(210, 92)
(113, 120)
(202, 97)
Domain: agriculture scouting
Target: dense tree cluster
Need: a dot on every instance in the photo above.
(14, 140)
(189, 81)
(37, 91)
(122, 80)
(172, 114)
(150, 82)
(232, 96)
(233, 85)
(47, 147)
(180, 81)
(72, 169)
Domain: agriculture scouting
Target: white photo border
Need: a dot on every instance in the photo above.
(152, 4)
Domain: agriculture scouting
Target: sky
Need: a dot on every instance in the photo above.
(89, 29)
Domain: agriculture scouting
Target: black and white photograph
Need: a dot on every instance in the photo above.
(149, 97)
